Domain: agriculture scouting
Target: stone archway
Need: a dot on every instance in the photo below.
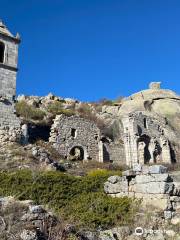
(77, 153)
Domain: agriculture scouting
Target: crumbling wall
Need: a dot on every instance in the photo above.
(75, 136)
(117, 153)
(145, 139)
(10, 124)
(152, 184)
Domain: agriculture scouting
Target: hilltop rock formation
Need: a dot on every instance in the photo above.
(139, 115)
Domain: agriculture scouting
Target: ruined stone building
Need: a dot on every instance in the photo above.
(77, 138)
(144, 137)
(9, 122)
(144, 140)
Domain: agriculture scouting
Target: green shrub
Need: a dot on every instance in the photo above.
(97, 210)
(105, 101)
(56, 108)
(80, 200)
(29, 112)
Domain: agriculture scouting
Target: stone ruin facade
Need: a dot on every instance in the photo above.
(76, 138)
(144, 140)
(10, 125)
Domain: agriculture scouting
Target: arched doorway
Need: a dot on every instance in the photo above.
(2, 49)
(76, 153)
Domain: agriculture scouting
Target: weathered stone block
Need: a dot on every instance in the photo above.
(116, 188)
(114, 179)
(154, 188)
(152, 178)
(145, 169)
(155, 169)
(137, 167)
(155, 85)
(160, 203)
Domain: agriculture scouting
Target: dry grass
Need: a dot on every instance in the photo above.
(83, 168)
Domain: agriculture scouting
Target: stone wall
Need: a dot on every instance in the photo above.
(7, 82)
(145, 139)
(10, 125)
(8, 69)
(152, 184)
(75, 137)
(117, 153)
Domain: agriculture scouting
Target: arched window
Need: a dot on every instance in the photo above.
(2, 49)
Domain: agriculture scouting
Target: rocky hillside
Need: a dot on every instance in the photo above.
(159, 103)
(47, 197)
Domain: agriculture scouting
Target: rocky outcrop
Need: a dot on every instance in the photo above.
(24, 220)
(45, 160)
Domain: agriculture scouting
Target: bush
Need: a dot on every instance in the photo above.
(79, 200)
(119, 99)
(56, 108)
(97, 210)
(106, 102)
(29, 112)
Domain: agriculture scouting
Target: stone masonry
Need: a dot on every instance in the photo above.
(145, 140)
(76, 138)
(10, 129)
(152, 184)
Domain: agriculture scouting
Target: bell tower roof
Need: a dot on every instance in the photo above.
(4, 30)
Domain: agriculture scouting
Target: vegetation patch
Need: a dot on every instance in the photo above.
(56, 108)
(78, 200)
(29, 112)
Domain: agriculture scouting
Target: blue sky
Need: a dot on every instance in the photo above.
(91, 49)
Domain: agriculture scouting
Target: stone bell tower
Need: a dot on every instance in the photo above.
(9, 122)
(8, 62)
